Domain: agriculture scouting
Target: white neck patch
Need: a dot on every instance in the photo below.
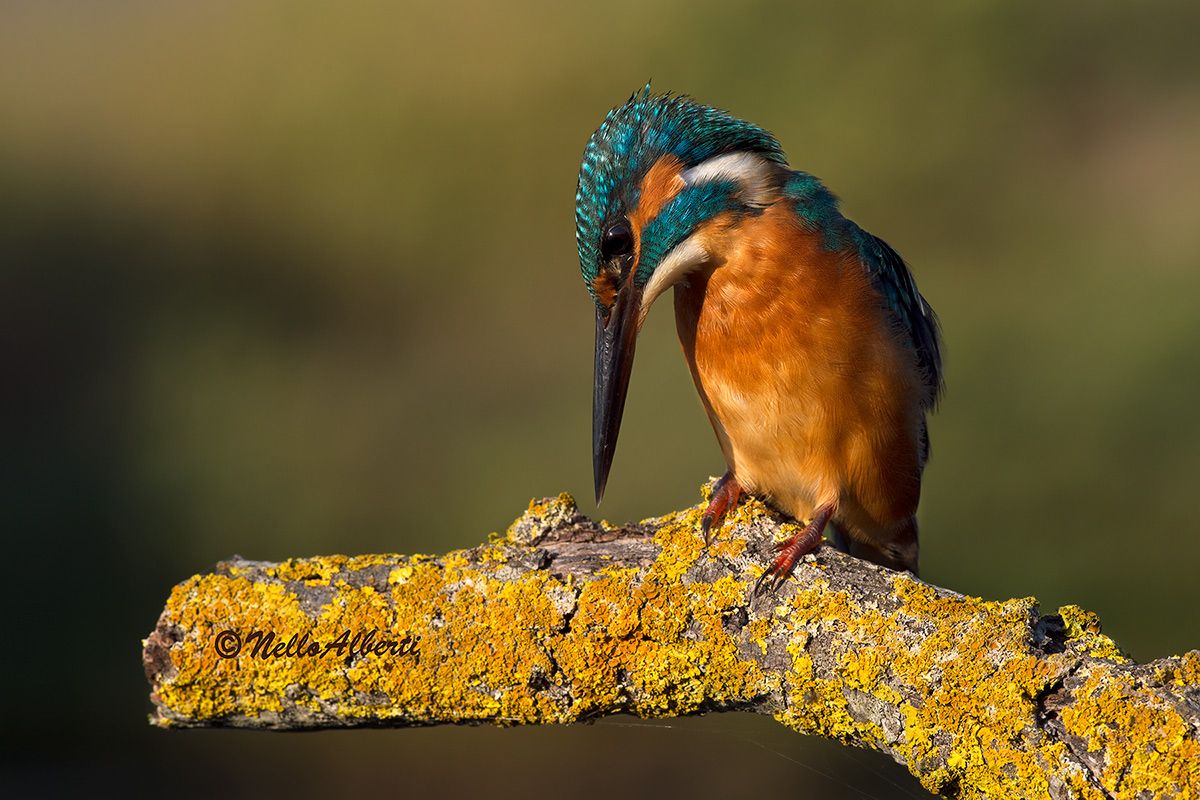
(750, 170)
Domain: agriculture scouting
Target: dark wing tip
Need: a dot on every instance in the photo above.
(894, 280)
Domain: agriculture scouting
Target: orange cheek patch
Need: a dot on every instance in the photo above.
(661, 185)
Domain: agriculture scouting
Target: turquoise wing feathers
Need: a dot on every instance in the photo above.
(892, 279)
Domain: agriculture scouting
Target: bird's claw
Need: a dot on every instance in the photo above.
(774, 584)
(790, 552)
(725, 496)
(792, 549)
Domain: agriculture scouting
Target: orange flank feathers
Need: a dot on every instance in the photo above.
(814, 397)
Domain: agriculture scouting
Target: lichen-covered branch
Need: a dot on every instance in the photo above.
(565, 620)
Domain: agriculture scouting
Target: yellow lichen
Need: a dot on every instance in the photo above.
(975, 670)
(480, 650)
(1083, 628)
(653, 642)
(1145, 742)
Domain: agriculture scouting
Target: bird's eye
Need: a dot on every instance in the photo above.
(618, 241)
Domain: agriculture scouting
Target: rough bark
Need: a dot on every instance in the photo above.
(565, 620)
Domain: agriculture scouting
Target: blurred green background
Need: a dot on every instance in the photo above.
(281, 279)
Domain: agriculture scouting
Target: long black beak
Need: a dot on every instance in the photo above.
(616, 337)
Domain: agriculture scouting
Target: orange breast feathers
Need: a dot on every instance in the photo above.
(813, 394)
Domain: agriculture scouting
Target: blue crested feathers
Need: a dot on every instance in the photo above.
(632, 138)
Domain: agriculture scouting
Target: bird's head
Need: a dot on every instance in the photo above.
(658, 177)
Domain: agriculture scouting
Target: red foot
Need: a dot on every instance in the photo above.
(793, 548)
(725, 496)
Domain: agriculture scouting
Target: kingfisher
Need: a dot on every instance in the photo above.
(815, 357)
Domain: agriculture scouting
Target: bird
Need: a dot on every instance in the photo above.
(816, 358)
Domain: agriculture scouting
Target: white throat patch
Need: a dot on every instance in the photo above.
(685, 257)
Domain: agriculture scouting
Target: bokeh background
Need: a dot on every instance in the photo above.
(283, 278)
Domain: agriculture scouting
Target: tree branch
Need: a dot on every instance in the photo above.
(566, 620)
